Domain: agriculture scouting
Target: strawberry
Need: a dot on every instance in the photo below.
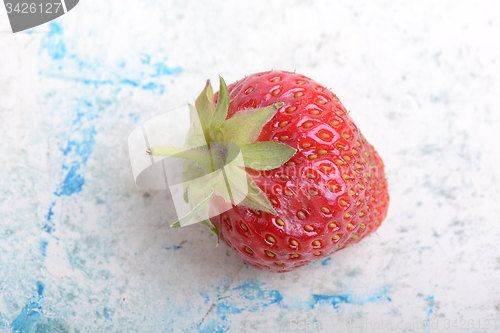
(317, 188)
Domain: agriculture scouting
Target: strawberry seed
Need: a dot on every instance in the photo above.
(301, 215)
(284, 138)
(271, 239)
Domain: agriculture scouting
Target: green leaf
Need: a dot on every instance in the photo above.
(256, 199)
(205, 108)
(232, 184)
(220, 113)
(200, 155)
(240, 189)
(212, 228)
(245, 127)
(219, 154)
(191, 171)
(185, 193)
(200, 189)
(184, 221)
(210, 92)
(215, 152)
(195, 136)
(266, 155)
(172, 151)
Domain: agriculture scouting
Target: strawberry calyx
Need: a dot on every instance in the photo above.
(217, 151)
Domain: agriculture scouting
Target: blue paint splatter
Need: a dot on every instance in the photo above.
(81, 147)
(141, 80)
(326, 261)
(214, 326)
(96, 83)
(130, 82)
(253, 296)
(72, 183)
(54, 44)
(145, 58)
(43, 248)
(153, 86)
(430, 299)
(235, 301)
(29, 314)
(224, 309)
(205, 295)
(175, 247)
(39, 288)
(134, 117)
(150, 86)
(28, 317)
(67, 65)
(221, 322)
(160, 88)
(93, 82)
(232, 303)
(49, 225)
(161, 69)
(336, 300)
(55, 28)
(252, 290)
(379, 297)
(50, 213)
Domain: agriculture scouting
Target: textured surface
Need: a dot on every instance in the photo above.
(82, 249)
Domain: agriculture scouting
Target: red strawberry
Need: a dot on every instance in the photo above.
(330, 194)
